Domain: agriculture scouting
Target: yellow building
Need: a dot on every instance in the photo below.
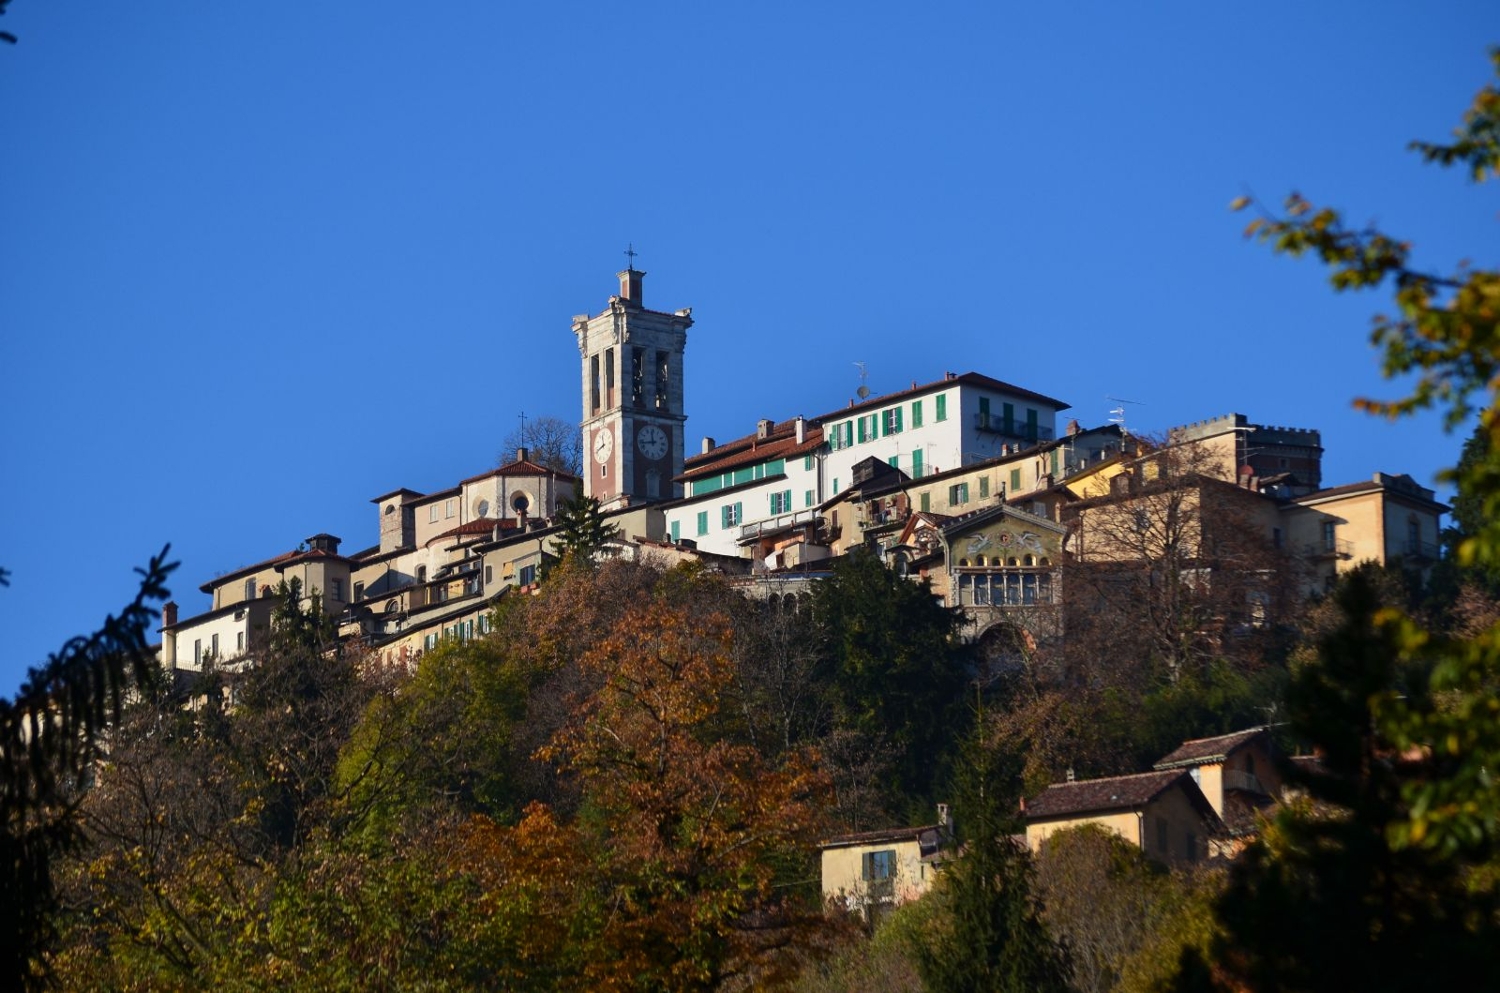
(1236, 772)
(1164, 813)
(875, 870)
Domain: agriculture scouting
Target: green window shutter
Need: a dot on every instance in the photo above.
(984, 486)
(916, 413)
(1054, 462)
(895, 461)
(926, 503)
(1010, 418)
(807, 499)
(861, 429)
(941, 403)
(676, 531)
(703, 522)
(916, 462)
(984, 407)
(1015, 480)
(898, 420)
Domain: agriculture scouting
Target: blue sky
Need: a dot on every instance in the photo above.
(260, 264)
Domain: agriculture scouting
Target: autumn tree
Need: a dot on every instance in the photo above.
(689, 822)
(549, 441)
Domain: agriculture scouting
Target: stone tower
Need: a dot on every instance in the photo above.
(633, 417)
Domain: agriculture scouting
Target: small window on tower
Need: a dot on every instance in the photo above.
(663, 379)
(637, 375)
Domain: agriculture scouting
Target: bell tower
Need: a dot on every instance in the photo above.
(632, 397)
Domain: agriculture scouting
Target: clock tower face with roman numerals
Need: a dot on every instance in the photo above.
(633, 418)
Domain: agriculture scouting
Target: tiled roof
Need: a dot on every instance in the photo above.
(1201, 750)
(781, 442)
(967, 379)
(1114, 793)
(482, 525)
(208, 587)
(403, 491)
(521, 468)
(876, 837)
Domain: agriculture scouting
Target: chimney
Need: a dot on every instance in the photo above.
(169, 613)
(1071, 777)
(801, 429)
(945, 819)
(630, 286)
(708, 445)
(763, 428)
(522, 454)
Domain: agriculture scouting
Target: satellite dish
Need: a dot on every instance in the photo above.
(863, 391)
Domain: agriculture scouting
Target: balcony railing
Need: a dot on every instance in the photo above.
(1239, 779)
(1011, 428)
(749, 532)
(1419, 550)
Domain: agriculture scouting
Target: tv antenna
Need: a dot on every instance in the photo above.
(863, 390)
(1117, 412)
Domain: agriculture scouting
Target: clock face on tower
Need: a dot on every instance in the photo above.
(652, 441)
(604, 445)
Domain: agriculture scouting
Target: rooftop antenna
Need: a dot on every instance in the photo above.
(863, 390)
(1117, 413)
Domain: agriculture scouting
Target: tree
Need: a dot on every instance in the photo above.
(688, 826)
(989, 935)
(1176, 570)
(1103, 899)
(1392, 853)
(896, 666)
(50, 738)
(549, 441)
(582, 529)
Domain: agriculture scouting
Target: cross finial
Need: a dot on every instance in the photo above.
(523, 427)
(630, 253)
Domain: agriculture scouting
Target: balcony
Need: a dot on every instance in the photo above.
(781, 522)
(1420, 550)
(1011, 428)
(1239, 779)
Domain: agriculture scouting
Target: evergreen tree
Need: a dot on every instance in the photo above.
(583, 529)
(990, 935)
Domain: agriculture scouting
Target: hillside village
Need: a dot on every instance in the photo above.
(981, 489)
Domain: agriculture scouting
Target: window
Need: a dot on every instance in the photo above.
(484, 623)
(916, 463)
(430, 642)
(807, 498)
(835, 484)
(663, 373)
(609, 374)
(781, 502)
(862, 436)
(984, 487)
(1330, 536)
(878, 865)
(807, 463)
(336, 590)
(676, 531)
(250, 589)
(916, 413)
(421, 574)
(359, 589)
(925, 501)
(1413, 536)
(958, 493)
(1031, 425)
(594, 382)
(213, 646)
(1015, 480)
(432, 514)
(239, 641)
(489, 577)
(732, 514)
(197, 651)
(940, 407)
(527, 575)
(637, 375)
(702, 522)
(894, 461)
(448, 507)
(1008, 417)
(890, 421)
